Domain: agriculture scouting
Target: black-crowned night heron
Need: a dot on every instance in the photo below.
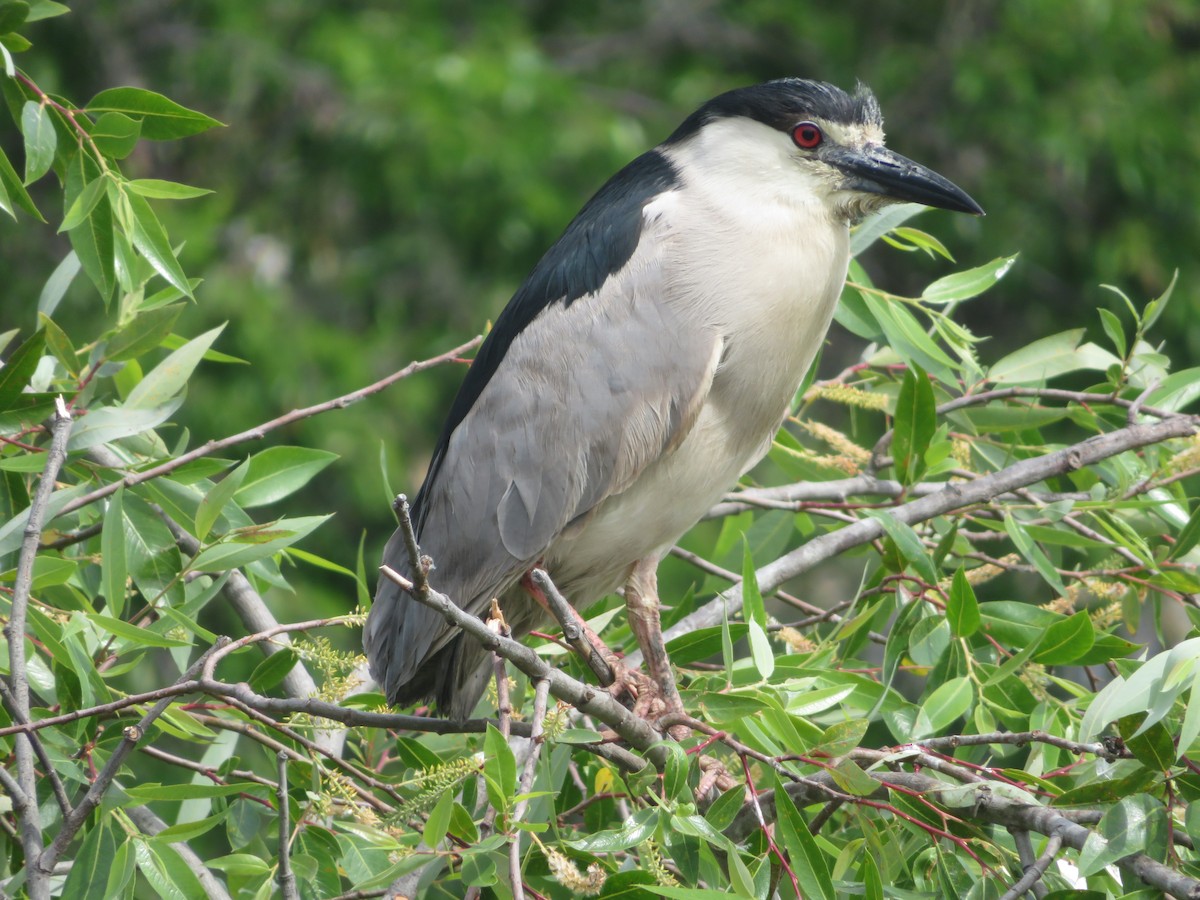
(640, 370)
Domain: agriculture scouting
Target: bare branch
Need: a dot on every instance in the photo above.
(31, 819)
(1034, 868)
(637, 732)
(287, 878)
(56, 785)
(540, 692)
(951, 497)
(573, 629)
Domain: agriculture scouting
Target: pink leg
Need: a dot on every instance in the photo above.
(641, 598)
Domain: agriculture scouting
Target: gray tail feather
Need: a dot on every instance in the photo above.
(415, 655)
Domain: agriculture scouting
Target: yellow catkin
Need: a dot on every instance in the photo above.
(836, 440)
(988, 571)
(796, 640)
(566, 873)
(960, 450)
(652, 862)
(847, 396)
(1188, 458)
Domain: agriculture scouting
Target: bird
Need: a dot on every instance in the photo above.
(641, 369)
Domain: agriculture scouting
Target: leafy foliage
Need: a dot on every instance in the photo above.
(1014, 646)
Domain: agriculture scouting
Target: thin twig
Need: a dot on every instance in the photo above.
(541, 691)
(1034, 870)
(260, 431)
(573, 630)
(36, 878)
(287, 878)
(133, 734)
(953, 496)
(56, 785)
(496, 625)
(636, 731)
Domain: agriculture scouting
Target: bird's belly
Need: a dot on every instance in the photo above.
(769, 351)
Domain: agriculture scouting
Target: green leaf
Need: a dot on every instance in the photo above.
(58, 341)
(278, 472)
(84, 203)
(45, 9)
(215, 501)
(55, 287)
(906, 336)
(753, 609)
(143, 334)
(138, 635)
(12, 189)
(1051, 356)
(915, 425)
(1153, 747)
(153, 557)
(111, 423)
(19, 369)
(969, 283)
(1123, 830)
(1114, 330)
(1178, 390)
(1033, 553)
(166, 872)
(808, 862)
(1000, 417)
(946, 704)
(242, 548)
(152, 791)
(641, 825)
(907, 543)
(170, 376)
(162, 119)
(438, 822)
(1188, 536)
(13, 14)
(962, 610)
(88, 876)
(151, 241)
(115, 134)
(874, 227)
(852, 779)
(92, 239)
(272, 670)
(114, 572)
(41, 140)
(165, 190)
(1067, 641)
(1155, 307)
(499, 769)
(760, 650)
(1146, 689)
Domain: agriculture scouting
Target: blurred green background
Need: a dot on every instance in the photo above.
(392, 171)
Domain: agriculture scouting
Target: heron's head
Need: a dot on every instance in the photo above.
(805, 138)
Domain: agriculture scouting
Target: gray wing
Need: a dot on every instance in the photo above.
(587, 395)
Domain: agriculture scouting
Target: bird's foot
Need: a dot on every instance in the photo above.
(642, 695)
(713, 774)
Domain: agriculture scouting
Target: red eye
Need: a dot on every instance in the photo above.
(807, 135)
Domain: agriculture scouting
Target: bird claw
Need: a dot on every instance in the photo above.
(645, 698)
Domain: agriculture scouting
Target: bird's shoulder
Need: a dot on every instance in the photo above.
(598, 243)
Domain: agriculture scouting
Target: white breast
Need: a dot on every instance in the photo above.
(752, 253)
